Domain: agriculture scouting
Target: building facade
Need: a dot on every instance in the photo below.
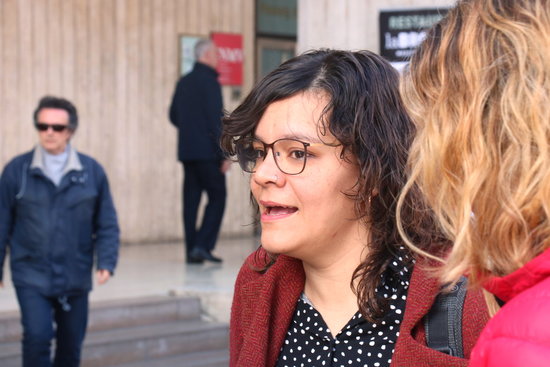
(119, 60)
(349, 24)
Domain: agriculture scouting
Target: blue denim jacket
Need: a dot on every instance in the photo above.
(53, 232)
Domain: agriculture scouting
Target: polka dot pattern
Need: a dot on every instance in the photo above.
(309, 341)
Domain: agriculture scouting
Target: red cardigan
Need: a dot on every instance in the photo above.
(264, 303)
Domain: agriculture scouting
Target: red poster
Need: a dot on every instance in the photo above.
(230, 52)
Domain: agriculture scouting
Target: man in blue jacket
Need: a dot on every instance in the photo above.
(56, 212)
(196, 111)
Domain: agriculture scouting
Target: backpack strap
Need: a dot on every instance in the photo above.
(443, 323)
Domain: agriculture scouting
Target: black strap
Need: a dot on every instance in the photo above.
(443, 323)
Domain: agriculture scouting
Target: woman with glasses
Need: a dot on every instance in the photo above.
(324, 138)
(478, 89)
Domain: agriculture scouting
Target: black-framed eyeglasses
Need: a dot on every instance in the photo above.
(290, 154)
(41, 126)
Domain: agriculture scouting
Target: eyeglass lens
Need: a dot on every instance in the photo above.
(55, 127)
(290, 154)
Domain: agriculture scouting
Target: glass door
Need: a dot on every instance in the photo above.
(271, 53)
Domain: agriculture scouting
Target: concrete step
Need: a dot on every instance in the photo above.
(142, 311)
(119, 313)
(10, 326)
(10, 354)
(139, 343)
(213, 358)
(144, 330)
(148, 342)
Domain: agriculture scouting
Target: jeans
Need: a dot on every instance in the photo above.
(38, 314)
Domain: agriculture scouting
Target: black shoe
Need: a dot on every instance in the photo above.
(194, 260)
(213, 258)
(205, 255)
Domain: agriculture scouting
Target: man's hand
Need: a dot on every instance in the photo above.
(226, 163)
(102, 276)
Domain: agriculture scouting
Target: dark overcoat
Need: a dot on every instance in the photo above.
(196, 111)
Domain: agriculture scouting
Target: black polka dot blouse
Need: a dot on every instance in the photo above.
(309, 342)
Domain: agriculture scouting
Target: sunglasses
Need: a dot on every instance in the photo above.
(40, 126)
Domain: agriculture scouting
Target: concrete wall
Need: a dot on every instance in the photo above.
(348, 24)
(118, 61)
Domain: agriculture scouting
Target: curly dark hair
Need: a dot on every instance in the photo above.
(366, 115)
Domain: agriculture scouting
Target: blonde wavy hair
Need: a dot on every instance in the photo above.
(478, 90)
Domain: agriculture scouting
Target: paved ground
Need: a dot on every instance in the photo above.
(160, 269)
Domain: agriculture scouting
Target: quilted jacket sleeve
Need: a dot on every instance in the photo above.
(7, 198)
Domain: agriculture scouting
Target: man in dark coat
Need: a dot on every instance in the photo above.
(196, 111)
(56, 216)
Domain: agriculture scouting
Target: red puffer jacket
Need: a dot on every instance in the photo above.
(519, 334)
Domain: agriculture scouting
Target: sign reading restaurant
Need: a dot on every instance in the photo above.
(402, 30)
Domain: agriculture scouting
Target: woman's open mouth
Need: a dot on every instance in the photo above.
(280, 210)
